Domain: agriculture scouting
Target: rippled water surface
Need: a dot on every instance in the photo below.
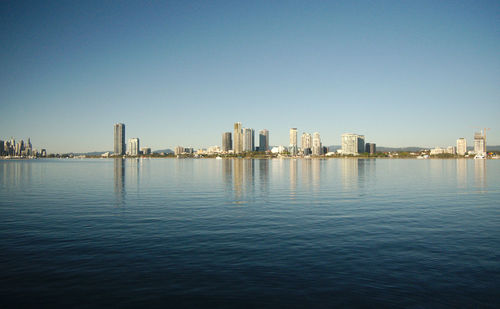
(250, 233)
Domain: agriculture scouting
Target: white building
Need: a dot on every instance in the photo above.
(293, 149)
(306, 141)
(317, 148)
(178, 150)
(237, 138)
(479, 143)
(461, 146)
(437, 150)
(278, 149)
(133, 146)
(352, 144)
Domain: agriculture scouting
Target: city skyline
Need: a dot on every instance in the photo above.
(409, 70)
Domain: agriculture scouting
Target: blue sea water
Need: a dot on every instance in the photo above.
(250, 233)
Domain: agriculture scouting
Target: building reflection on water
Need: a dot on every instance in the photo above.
(15, 173)
(480, 173)
(239, 176)
(462, 173)
(119, 175)
(293, 177)
(264, 176)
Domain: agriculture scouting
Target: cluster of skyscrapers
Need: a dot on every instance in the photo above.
(20, 149)
(479, 144)
(121, 149)
(243, 140)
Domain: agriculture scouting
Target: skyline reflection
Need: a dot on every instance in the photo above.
(119, 181)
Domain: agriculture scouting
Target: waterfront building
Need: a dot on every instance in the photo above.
(133, 146)
(317, 148)
(461, 146)
(213, 150)
(2, 148)
(278, 149)
(146, 150)
(306, 143)
(451, 150)
(237, 138)
(43, 153)
(19, 148)
(227, 141)
(352, 144)
(293, 149)
(263, 140)
(437, 151)
(371, 148)
(119, 139)
(248, 139)
(479, 143)
(178, 150)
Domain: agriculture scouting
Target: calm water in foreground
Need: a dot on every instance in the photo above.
(250, 233)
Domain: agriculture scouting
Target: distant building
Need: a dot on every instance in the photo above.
(248, 139)
(353, 144)
(278, 149)
(370, 148)
(43, 153)
(227, 142)
(479, 143)
(237, 138)
(451, 150)
(293, 147)
(317, 148)
(146, 151)
(306, 143)
(2, 148)
(119, 140)
(178, 150)
(133, 146)
(461, 146)
(263, 140)
(437, 151)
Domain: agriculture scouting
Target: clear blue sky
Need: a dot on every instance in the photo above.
(402, 73)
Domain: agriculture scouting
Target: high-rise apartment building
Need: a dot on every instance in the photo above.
(248, 139)
(263, 140)
(479, 143)
(237, 138)
(227, 142)
(179, 150)
(461, 146)
(371, 148)
(353, 144)
(293, 149)
(306, 141)
(133, 146)
(120, 146)
(317, 148)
